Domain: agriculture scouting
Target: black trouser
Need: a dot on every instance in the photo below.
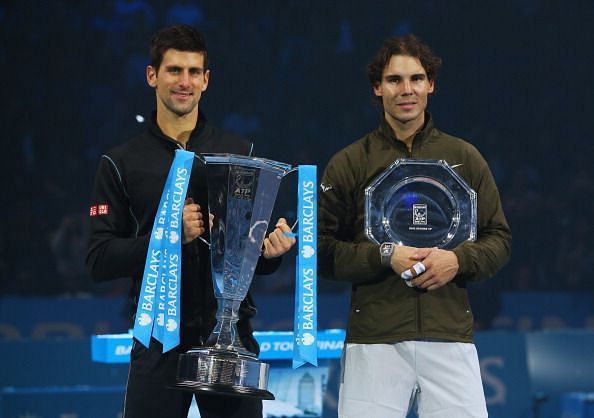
(148, 393)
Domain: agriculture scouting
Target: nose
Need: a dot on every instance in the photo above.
(184, 78)
(406, 87)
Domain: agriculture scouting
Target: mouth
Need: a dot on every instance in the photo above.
(181, 94)
(407, 105)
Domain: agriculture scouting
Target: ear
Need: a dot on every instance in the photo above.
(431, 86)
(206, 78)
(151, 76)
(377, 90)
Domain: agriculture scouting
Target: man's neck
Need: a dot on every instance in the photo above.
(177, 127)
(405, 132)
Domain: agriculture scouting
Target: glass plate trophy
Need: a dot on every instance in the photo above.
(420, 203)
(241, 195)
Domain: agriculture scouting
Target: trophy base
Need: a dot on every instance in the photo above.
(222, 372)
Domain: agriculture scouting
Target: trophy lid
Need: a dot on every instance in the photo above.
(420, 203)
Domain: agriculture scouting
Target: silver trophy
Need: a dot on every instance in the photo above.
(241, 195)
(420, 203)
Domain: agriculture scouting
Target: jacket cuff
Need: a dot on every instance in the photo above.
(374, 260)
(268, 265)
(463, 261)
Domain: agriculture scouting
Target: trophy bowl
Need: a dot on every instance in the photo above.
(241, 195)
(420, 203)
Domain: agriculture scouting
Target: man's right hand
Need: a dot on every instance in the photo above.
(404, 257)
(192, 221)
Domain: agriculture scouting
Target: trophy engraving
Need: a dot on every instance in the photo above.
(419, 214)
(241, 195)
(420, 203)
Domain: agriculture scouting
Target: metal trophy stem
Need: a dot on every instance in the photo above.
(224, 336)
(242, 192)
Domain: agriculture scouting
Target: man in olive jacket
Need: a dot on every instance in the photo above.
(409, 344)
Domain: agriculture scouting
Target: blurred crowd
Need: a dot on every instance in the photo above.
(293, 73)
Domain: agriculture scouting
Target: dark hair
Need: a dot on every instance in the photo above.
(180, 37)
(408, 45)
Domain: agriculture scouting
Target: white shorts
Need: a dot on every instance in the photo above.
(437, 379)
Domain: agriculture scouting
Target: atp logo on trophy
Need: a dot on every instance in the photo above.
(243, 182)
(419, 214)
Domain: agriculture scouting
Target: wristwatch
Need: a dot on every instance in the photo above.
(386, 251)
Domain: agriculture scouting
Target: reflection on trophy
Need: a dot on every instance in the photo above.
(242, 192)
(420, 203)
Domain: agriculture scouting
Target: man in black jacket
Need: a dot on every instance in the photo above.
(127, 191)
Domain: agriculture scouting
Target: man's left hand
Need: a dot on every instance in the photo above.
(441, 266)
(277, 243)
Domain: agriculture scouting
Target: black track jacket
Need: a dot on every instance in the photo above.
(127, 191)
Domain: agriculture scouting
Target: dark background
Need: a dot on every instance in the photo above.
(290, 75)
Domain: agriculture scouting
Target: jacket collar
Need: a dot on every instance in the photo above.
(156, 129)
(386, 131)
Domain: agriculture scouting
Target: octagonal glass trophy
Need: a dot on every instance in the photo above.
(241, 195)
(420, 203)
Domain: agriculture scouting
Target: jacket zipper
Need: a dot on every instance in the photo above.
(417, 294)
(419, 316)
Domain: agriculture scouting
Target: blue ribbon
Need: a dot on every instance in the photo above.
(159, 309)
(305, 349)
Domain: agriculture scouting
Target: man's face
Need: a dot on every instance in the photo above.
(179, 81)
(404, 89)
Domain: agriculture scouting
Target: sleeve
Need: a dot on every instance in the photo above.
(268, 266)
(482, 258)
(114, 249)
(343, 254)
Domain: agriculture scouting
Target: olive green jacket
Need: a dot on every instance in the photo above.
(383, 308)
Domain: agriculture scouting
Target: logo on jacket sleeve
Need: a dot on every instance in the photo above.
(96, 210)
